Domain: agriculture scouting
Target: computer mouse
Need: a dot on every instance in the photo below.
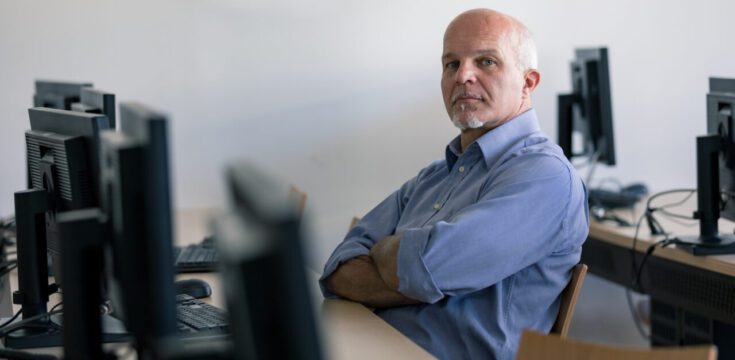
(638, 189)
(196, 288)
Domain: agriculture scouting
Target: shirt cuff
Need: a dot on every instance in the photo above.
(344, 252)
(414, 279)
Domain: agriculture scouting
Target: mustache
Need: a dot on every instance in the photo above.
(465, 94)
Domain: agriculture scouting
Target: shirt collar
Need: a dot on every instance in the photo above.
(496, 142)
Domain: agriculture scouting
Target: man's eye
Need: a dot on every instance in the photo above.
(453, 65)
(488, 62)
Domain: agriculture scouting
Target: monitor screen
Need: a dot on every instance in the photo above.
(136, 200)
(62, 162)
(58, 94)
(262, 263)
(720, 107)
(62, 158)
(715, 173)
(585, 125)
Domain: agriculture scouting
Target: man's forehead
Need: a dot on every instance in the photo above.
(479, 51)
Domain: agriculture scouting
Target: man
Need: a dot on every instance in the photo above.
(479, 245)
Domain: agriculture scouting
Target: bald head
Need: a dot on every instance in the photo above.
(488, 71)
(486, 20)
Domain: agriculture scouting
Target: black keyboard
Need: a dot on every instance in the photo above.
(612, 199)
(196, 316)
(200, 257)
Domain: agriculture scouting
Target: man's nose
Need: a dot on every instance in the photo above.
(466, 73)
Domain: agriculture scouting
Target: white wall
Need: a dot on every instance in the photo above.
(342, 97)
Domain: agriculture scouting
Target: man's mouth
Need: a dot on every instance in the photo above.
(464, 97)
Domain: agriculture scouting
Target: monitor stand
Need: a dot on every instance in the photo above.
(709, 241)
(49, 333)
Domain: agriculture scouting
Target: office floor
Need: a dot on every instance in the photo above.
(602, 315)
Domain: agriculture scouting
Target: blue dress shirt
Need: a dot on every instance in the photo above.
(488, 241)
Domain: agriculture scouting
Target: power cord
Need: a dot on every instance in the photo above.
(26, 322)
(11, 319)
(656, 229)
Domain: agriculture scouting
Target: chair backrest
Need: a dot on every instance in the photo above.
(537, 346)
(354, 222)
(300, 198)
(569, 300)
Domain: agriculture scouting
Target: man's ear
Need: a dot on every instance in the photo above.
(530, 81)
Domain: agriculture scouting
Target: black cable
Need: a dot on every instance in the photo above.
(656, 229)
(633, 247)
(11, 319)
(667, 192)
(5, 270)
(672, 215)
(634, 313)
(27, 322)
(57, 305)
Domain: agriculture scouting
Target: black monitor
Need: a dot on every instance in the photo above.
(586, 113)
(62, 162)
(715, 173)
(62, 149)
(97, 102)
(58, 94)
(263, 270)
(136, 200)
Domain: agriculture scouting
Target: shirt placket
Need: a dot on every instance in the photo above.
(459, 171)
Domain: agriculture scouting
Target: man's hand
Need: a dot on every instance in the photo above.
(358, 279)
(385, 255)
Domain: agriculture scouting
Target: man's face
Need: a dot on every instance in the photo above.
(482, 83)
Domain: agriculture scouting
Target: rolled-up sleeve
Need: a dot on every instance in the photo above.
(519, 219)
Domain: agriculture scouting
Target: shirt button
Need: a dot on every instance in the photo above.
(437, 206)
(461, 169)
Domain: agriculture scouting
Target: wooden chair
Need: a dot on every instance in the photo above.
(537, 346)
(300, 198)
(354, 222)
(569, 300)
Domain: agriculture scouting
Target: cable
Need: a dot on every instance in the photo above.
(29, 321)
(634, 313)
(668, 192)
(57, 305)
(613, 180)
(656, 229)
(6, 270)
(593, 164)
(11, 319)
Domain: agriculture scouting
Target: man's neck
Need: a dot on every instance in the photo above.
(468, 136)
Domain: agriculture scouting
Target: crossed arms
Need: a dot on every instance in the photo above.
(371, 279)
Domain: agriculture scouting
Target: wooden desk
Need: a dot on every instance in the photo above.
(693, 297)
(349, 330)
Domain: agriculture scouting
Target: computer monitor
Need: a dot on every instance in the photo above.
(715, 173)
(136, 200)
(58, 94)
(62, 161)
(262, 264)
(585, 124)
(97, 102)
(62, 149)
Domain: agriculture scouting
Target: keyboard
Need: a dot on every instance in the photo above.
(195, 316)
(201, 257)
(612, 199)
